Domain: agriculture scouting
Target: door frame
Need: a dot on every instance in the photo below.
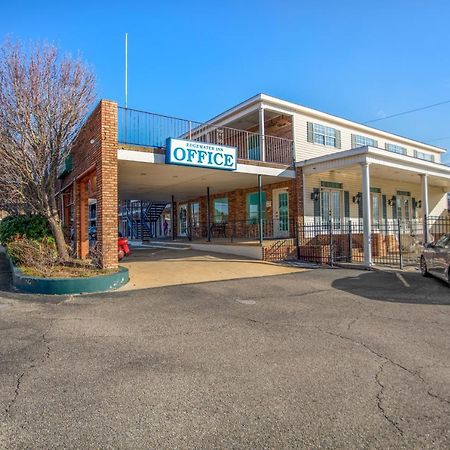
(277, 233)
(184, 206)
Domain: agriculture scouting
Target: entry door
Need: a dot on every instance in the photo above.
(330, 207)
(403, 204)
(182, 220)
(281, 213)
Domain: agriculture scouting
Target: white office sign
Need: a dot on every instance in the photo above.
(200, 154)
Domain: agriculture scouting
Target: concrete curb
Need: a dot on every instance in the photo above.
(64, 286)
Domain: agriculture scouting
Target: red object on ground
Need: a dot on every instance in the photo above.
(123, 249)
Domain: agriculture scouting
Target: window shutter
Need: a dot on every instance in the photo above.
(338, 139)
(346, 205)
(360, 206)
(316, 204)
(310, 132)
(353, 141)
(413, 207)
(375, 143)
(384, 201)
(394, 207)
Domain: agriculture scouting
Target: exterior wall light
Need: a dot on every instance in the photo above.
(417, 204)
(392, 201)
(315, 196)
(357, 198)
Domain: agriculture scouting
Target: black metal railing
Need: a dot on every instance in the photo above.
(393, 242)
(238, 230)
(151, 130)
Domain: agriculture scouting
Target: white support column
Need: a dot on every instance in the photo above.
(425, 208)
(262, 139)
(367, 221)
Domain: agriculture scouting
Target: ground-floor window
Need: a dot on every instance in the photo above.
(220, 210)
(252, 206)
(195, 214)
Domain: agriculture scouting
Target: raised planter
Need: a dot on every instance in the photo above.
(64, 286)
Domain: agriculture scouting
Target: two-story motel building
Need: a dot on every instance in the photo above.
(253, 176)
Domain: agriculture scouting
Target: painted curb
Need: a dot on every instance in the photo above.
(64, 286)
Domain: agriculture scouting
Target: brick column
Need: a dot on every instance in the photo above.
(107, 192)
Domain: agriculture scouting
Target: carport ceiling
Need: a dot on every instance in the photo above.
(158, 182)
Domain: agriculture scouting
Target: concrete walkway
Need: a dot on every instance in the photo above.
(157, 267)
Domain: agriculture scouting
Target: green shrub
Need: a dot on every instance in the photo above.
(32, 227)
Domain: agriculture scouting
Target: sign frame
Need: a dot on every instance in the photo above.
(184, 152)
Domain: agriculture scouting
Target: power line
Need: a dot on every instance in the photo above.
(408, 112)
(439, 139)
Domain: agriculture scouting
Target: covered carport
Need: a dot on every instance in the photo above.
(144, 175)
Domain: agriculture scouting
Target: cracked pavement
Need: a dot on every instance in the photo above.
(318, 359)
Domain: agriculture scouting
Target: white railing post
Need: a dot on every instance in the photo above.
(365, 175)
(425, 206)
(262, 143)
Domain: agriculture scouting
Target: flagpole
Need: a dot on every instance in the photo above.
(126, 70)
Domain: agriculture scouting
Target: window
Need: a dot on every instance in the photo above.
(220, 210)
(195, 214)
(424, 156)
(252, 203)
(396, 149)
(362, 141)
(324, 135)
(330, 206)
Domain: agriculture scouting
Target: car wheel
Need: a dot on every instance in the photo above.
(423, 267)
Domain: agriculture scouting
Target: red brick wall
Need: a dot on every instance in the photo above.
(95, 149)
(237, 200)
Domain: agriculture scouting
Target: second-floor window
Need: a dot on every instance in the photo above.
(424, 156)
(362, 141)
(320, 134)
(396, 149)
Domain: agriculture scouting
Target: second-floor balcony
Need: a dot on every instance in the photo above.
(151, 130)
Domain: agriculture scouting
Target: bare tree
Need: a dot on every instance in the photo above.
(44, 98)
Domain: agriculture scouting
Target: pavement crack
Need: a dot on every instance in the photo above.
(351, 323)
(46, 343)
(371, 350)
(379, 397)
(16, 393)
(44, 357)
(438, 397)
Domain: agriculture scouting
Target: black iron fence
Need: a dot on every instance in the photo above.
(393, 242)
(239, 230)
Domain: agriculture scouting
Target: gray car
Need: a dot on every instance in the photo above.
(435, 259)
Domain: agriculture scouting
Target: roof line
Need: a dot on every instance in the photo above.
(262, 96)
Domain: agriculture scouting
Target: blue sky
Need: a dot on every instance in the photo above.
(193, 59)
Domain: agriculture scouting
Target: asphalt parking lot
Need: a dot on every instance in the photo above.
(316, 359)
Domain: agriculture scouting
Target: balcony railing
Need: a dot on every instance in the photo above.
(152, 130)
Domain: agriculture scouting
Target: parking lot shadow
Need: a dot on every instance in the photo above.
(395, 287)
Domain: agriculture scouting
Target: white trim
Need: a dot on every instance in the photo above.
(286, 107)
(157, 158)
(377, 156)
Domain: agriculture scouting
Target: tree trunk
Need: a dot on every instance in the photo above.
(58, 234)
